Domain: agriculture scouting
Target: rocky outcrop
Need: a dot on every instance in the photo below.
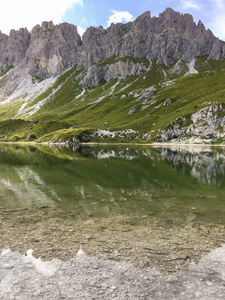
(50, 49)
(118, 70)
(175, 131)
(92, 77)
(206, 123)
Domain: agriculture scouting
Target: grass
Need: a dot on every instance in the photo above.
(69, 104)
(67, 135)
(136, 60)
(107, 61)
(3, 71)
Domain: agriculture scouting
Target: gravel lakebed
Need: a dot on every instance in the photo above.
(124, 257)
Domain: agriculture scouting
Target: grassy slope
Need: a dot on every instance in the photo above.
(111, 102)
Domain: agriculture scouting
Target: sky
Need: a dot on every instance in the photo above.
(15, 14)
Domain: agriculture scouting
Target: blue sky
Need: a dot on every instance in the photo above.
(15, 14)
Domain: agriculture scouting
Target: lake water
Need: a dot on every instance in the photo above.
(184, 184)
(159, 209)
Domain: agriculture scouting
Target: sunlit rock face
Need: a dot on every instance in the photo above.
(207, 122)
(168, 38)
(13, 47)
(47, 50)
(50, 49)
(119, 70)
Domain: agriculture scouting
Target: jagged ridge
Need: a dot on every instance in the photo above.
(49, 50)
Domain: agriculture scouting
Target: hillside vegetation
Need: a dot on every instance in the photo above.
(160, 104)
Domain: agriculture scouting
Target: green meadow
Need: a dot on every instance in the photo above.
(73, 112)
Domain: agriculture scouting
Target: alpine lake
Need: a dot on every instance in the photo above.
(153, 206)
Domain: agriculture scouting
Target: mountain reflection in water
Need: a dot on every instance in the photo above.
(183, 183)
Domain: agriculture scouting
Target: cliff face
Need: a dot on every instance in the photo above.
(13, 47)
(48, 50)
(52, 48)
(168, 38)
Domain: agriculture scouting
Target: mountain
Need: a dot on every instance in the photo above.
(154, 79)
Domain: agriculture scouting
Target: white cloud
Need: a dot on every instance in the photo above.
(186, 4)
(216, 18)
(15, 14)
(218, 26)
(84, 21)
(119, 17)
(219, 3)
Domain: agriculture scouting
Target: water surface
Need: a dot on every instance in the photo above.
(185, 184)
(149, 206)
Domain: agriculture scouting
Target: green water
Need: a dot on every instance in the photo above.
(184, 184)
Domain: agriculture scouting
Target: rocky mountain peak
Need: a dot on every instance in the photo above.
(169, 14)
(47, 26)
(144, 16)
(50, 49)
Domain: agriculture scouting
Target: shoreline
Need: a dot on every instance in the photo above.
(155, 144)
